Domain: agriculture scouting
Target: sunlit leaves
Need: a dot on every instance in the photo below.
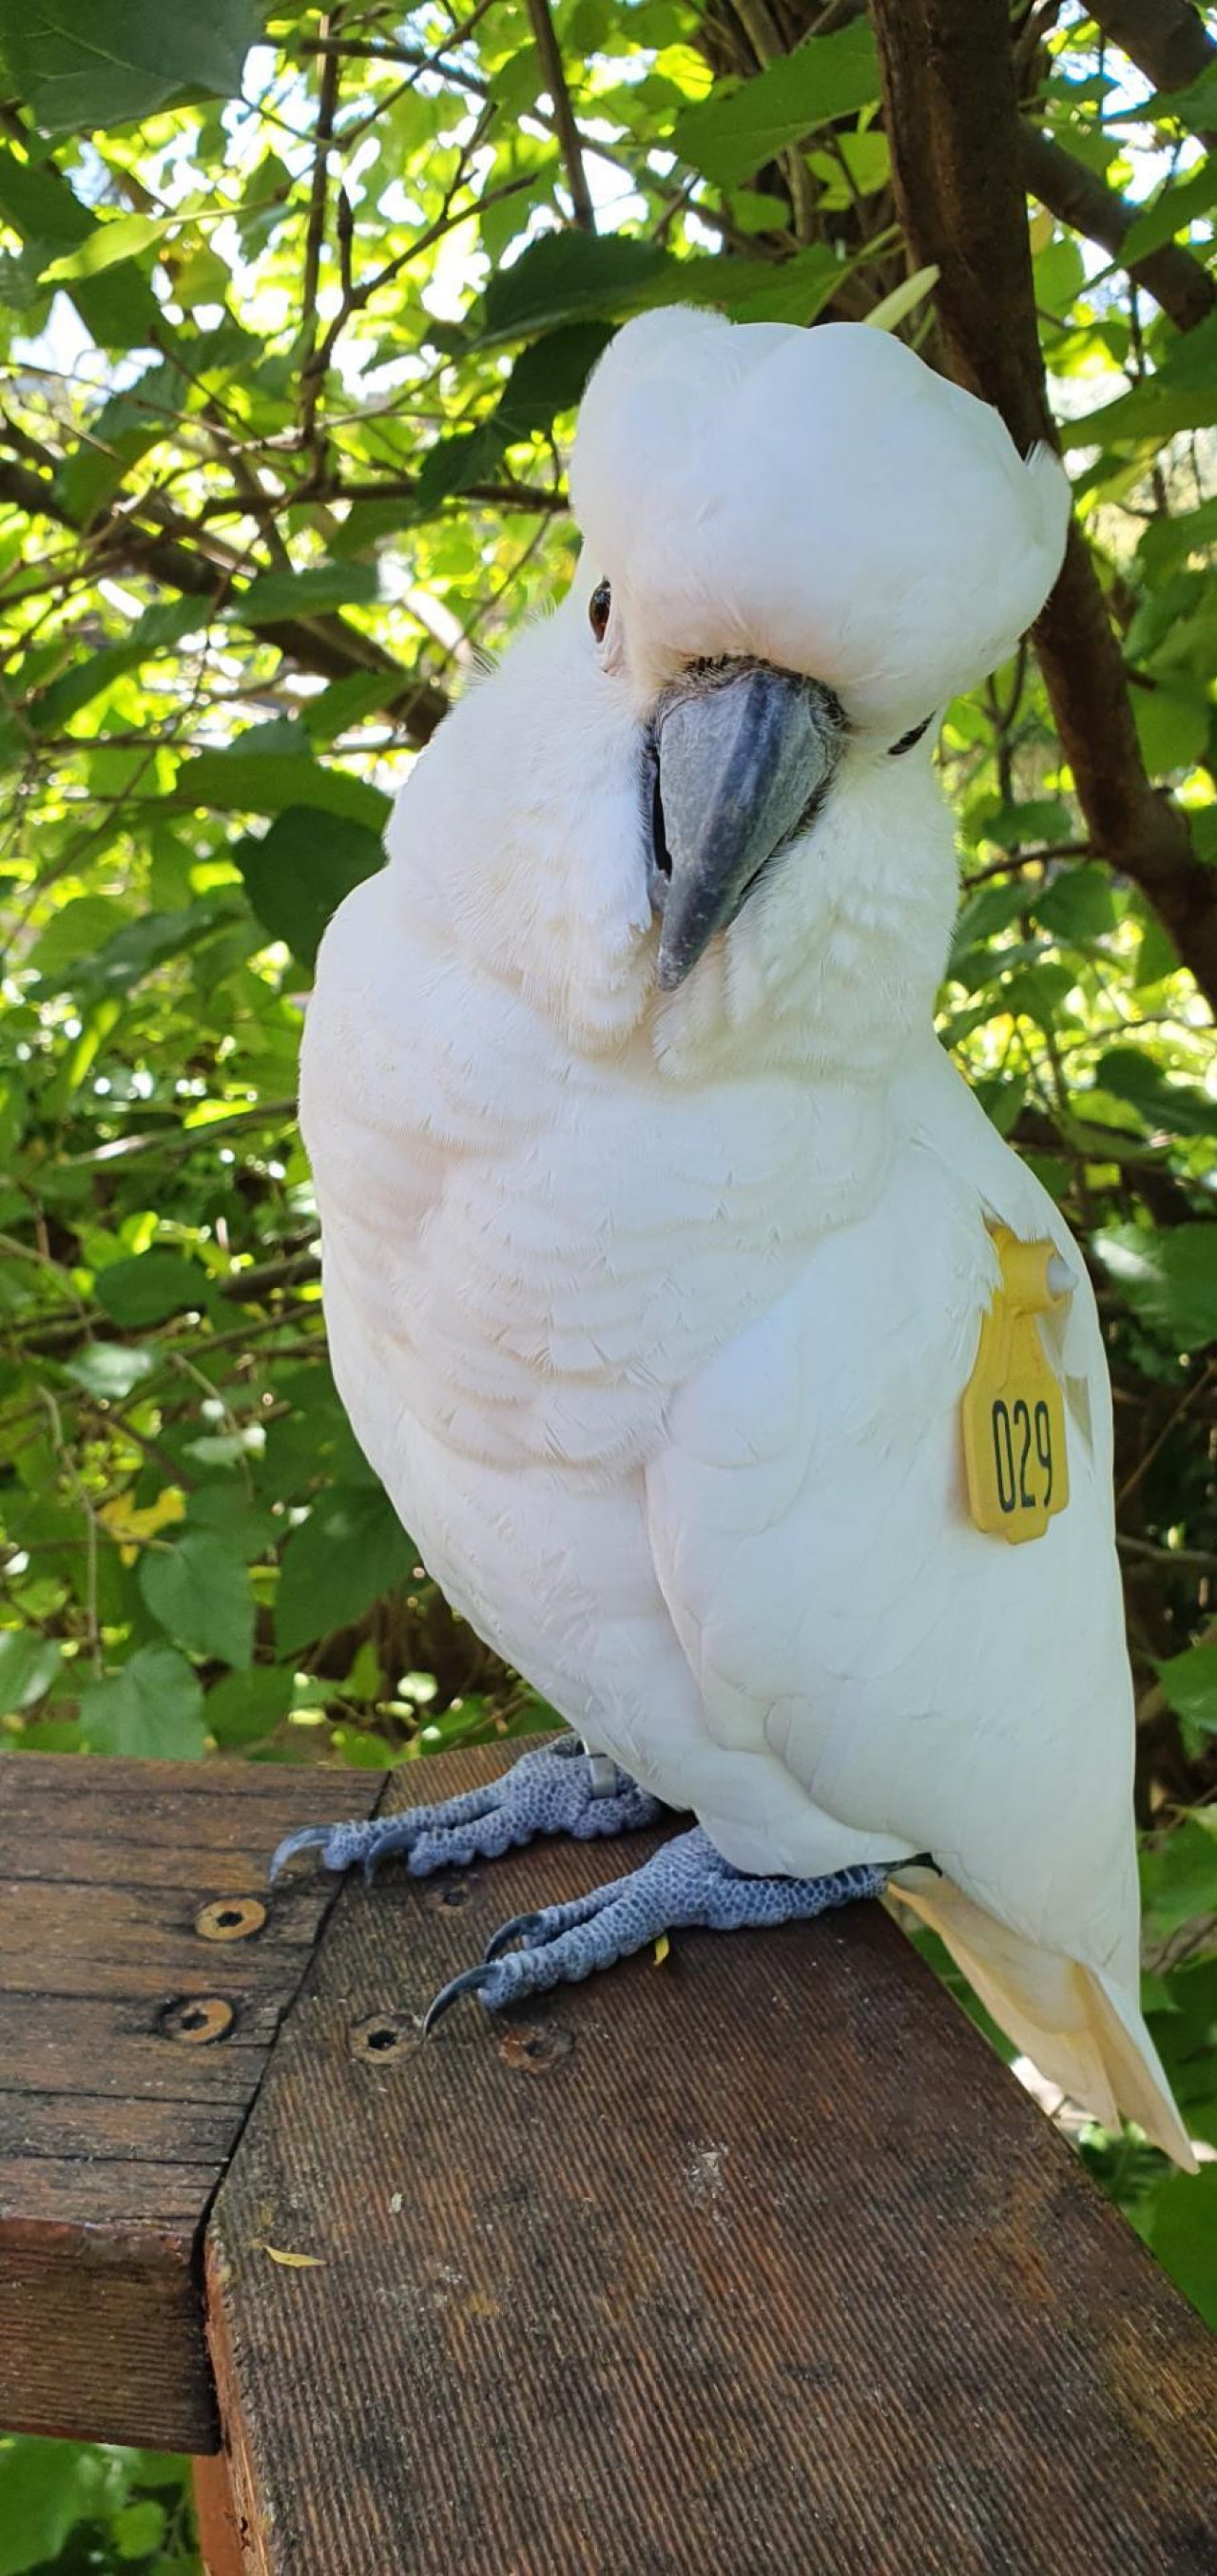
(732, 133)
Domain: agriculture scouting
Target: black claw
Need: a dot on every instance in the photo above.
(517, 1930)
(468, 1983)
(308, 1838)
(918, 1860)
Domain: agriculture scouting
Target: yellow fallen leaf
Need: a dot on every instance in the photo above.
(292, 2262)
(132, 1523)
(662, 1947)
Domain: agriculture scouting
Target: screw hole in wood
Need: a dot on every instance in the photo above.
(230, 1918)
(383, 2036)
(195, 2020)
(533, 2047)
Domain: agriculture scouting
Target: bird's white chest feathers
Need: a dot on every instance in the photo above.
(527, 1253)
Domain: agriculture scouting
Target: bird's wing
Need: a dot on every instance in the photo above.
(919, 1680)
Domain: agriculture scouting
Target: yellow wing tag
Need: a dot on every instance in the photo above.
(1013, 1410)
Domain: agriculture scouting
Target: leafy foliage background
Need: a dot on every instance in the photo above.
(295, 311)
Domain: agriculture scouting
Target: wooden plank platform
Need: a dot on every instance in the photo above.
(757, 2260)
(144, 1972)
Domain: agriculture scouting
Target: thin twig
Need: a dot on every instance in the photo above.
(568, 133)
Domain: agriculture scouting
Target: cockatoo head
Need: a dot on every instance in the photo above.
(798, 545)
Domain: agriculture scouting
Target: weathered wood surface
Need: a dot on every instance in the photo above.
(144, 1971)
(754, 2261)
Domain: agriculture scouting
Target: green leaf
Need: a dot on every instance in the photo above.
(1078, 904)
(1169, 1280)
(731, 133)
(298, 873)
(120, 238)
(1179, 1874)
(78, 929)
(469, 456)
(244, 1707)
(138, 2528)
(115, 438)
(46, 2488)
(1172, 728)
(570, 277)
(549, 378)
(790, 290)
(1155, 410)
(140, 946)
(157, 631)
(198, 1591)
(1189, 1682)
(1019, 827)
(306, 593)
(903, 300)
(85, 63)
(1176, 205)
(1182, 2227)
(246, 781)
(1196, 105)
(152, 1710)
(1130, 1074)
(224, 1511)
(151, 1286)
(1167, 543)
(350, 1550)
(1060, 275)
(119, 306)
(29, 1663)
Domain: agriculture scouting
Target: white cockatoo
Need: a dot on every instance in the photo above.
(661, 1239)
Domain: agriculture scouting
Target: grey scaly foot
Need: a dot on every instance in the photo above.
(559, 1789)
(687, 1882)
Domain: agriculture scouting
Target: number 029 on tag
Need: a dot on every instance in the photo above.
(1014, 1439)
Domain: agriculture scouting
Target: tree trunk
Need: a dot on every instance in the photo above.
(952, 115)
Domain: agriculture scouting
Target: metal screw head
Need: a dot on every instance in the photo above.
(230, 1918)
(195, 2020)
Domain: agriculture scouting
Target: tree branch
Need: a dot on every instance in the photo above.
(564, 115)
(325, 644)
(327, 104)
(1166, 39)
(1077, 196)
(951, 111)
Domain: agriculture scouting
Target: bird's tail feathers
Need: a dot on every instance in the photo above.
(1080, 2026)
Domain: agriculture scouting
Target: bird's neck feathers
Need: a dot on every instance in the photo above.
(835, 959)
(519, 842)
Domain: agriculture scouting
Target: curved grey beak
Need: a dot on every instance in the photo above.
(738, 758)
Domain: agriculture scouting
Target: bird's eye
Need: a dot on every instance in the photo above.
(598, 608)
